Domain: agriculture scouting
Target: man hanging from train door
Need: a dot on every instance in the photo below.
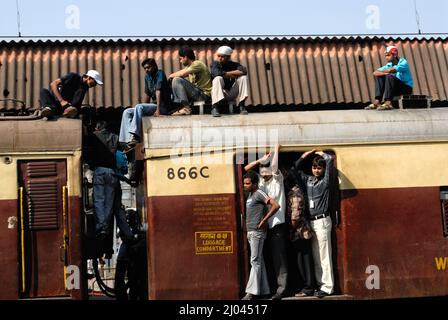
(271, 181)
(257, 214)
(104, 145)
(318, 188)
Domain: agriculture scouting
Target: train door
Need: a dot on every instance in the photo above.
(43, 233)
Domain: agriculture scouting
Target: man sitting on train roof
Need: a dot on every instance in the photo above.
(196, 88)
(229, 81)
(392, 79)
(66, 93)
(157, 102)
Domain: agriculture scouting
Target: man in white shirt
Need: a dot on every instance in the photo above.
(272, 183)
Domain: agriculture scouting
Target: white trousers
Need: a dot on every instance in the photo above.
(321, 247)
(237, 93)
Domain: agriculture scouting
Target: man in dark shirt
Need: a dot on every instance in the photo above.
(318, 194)
(67, 93)
(257, 215)
(229, 81)
(104, 145)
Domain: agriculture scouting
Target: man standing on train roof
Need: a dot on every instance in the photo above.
(196, 88)
(67, 93)
(392, 79)
(229, 81)
(271, 181)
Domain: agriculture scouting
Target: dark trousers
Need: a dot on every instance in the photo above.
(304, 260)
(275, 246)
(47, 99)
(389, 87)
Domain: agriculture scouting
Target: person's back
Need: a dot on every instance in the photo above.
(104, 145)
(200, 76)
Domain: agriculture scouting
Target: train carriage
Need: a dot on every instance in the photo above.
(390, 227)
(41, 209)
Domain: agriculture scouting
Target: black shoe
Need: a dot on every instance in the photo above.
(277, 296)
(321, 294)
(215, 112)
(243, 110)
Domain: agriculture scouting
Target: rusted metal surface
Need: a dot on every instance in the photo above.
(9, 277)
(282, 71)
(183, 262)
(40, 135)
(75, 245)
(44, 254)
(400, 231)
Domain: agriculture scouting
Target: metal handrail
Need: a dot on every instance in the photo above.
(22, 239)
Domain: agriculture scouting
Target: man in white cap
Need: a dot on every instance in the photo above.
(392, 79)
(229, 81)
(67, 93)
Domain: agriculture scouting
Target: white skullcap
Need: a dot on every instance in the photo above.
(225, 51)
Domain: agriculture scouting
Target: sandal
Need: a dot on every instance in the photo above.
(372, 106)
(185, 111)
(385, 106)
(301, 295)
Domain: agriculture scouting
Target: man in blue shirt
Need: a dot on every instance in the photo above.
(157, 103)
(391, 80)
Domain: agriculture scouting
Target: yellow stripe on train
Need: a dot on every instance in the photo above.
(194, 176)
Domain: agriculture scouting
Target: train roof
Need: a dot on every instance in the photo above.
(40, 135)
(297, 128)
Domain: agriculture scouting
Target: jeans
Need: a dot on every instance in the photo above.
(104, 186)
(47, 99)
(258, 279)
(184, 91)
(131, 121)
(389, 87)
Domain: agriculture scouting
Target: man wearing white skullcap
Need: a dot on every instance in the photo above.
(392, 79)
(229, 81)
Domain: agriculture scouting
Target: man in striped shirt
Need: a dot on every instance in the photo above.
(259, 208)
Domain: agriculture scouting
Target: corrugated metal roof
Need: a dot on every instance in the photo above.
(282, 71)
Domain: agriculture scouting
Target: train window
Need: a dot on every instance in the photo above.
(444, 206)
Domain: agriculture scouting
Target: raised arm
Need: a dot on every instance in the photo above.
(255, 163)
(329, 166)
(274, 163)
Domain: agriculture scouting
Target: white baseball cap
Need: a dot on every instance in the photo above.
(225, 51)
(95, 75)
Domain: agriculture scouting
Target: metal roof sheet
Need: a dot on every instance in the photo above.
(282, 71)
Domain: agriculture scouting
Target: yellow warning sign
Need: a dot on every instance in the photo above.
(213, 242)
